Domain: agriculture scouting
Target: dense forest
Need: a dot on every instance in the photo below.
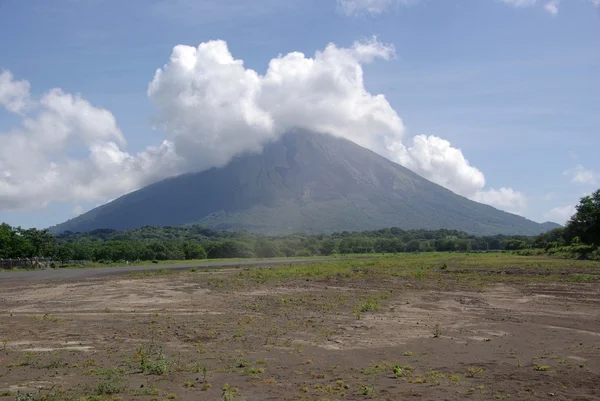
(580, 238)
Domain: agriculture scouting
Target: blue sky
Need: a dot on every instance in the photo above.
(515, 85)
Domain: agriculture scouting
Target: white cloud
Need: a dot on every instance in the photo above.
(35, 166)
(560, 214)
(581, 175)
(520, 3)
(374, 7)
(504, 198)
(14, 95)
(212, 108)
(552, 7)
(435, 159)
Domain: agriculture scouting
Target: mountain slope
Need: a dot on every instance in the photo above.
(303, 182)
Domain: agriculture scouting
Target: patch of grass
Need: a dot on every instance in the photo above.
(153, 273)
(46, 318)
(474, 371)
(582, 278)
(229, 393)
(151, 360)
(377, 367)
(146, 391)
(541, 368)
(111, 382)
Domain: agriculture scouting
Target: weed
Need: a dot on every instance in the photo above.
(400, 371)
(242, 363)
(437, 331)
(541, 368)
(152, 360)
(229, 393)
(146, 391)
(366, 390)
(473, 371)
(111, 383)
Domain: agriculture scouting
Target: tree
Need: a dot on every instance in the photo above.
(193, 251)
(327, 247)
(65, 253)
(585, 224)
(413, 245)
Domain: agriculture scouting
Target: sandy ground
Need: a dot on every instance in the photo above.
(205, 336)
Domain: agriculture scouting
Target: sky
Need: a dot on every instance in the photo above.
(496, 100)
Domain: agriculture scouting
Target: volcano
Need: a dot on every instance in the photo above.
(302, 183)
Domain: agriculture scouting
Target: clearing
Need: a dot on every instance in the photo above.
(431, 326)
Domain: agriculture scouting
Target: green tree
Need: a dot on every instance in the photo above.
(193, 251)
(327, 247)
(413, 245)
(585, 224)
(65, 253)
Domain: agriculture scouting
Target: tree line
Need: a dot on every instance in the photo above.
(579, 238)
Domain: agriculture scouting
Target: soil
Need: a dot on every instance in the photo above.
(208, 336)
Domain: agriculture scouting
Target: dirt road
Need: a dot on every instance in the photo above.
(83, 273)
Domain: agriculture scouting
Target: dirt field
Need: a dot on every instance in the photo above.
(441, 327)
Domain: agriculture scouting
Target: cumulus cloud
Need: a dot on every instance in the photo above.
(14, 95)
(560, 214)
(35, 166)
(212, 108)
(581, 175)
(504, 198)
(435, 159)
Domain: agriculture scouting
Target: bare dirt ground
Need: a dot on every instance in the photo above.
(241, 335)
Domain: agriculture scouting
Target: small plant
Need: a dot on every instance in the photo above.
(366, 390)
(110, 384)
(399, 371)
(205, 387)
(473, 371)
(152, 360)
(541, 368)
(242, 363)
(229, 393)
(408, 353)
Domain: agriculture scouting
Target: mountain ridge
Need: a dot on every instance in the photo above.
(304, 182)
